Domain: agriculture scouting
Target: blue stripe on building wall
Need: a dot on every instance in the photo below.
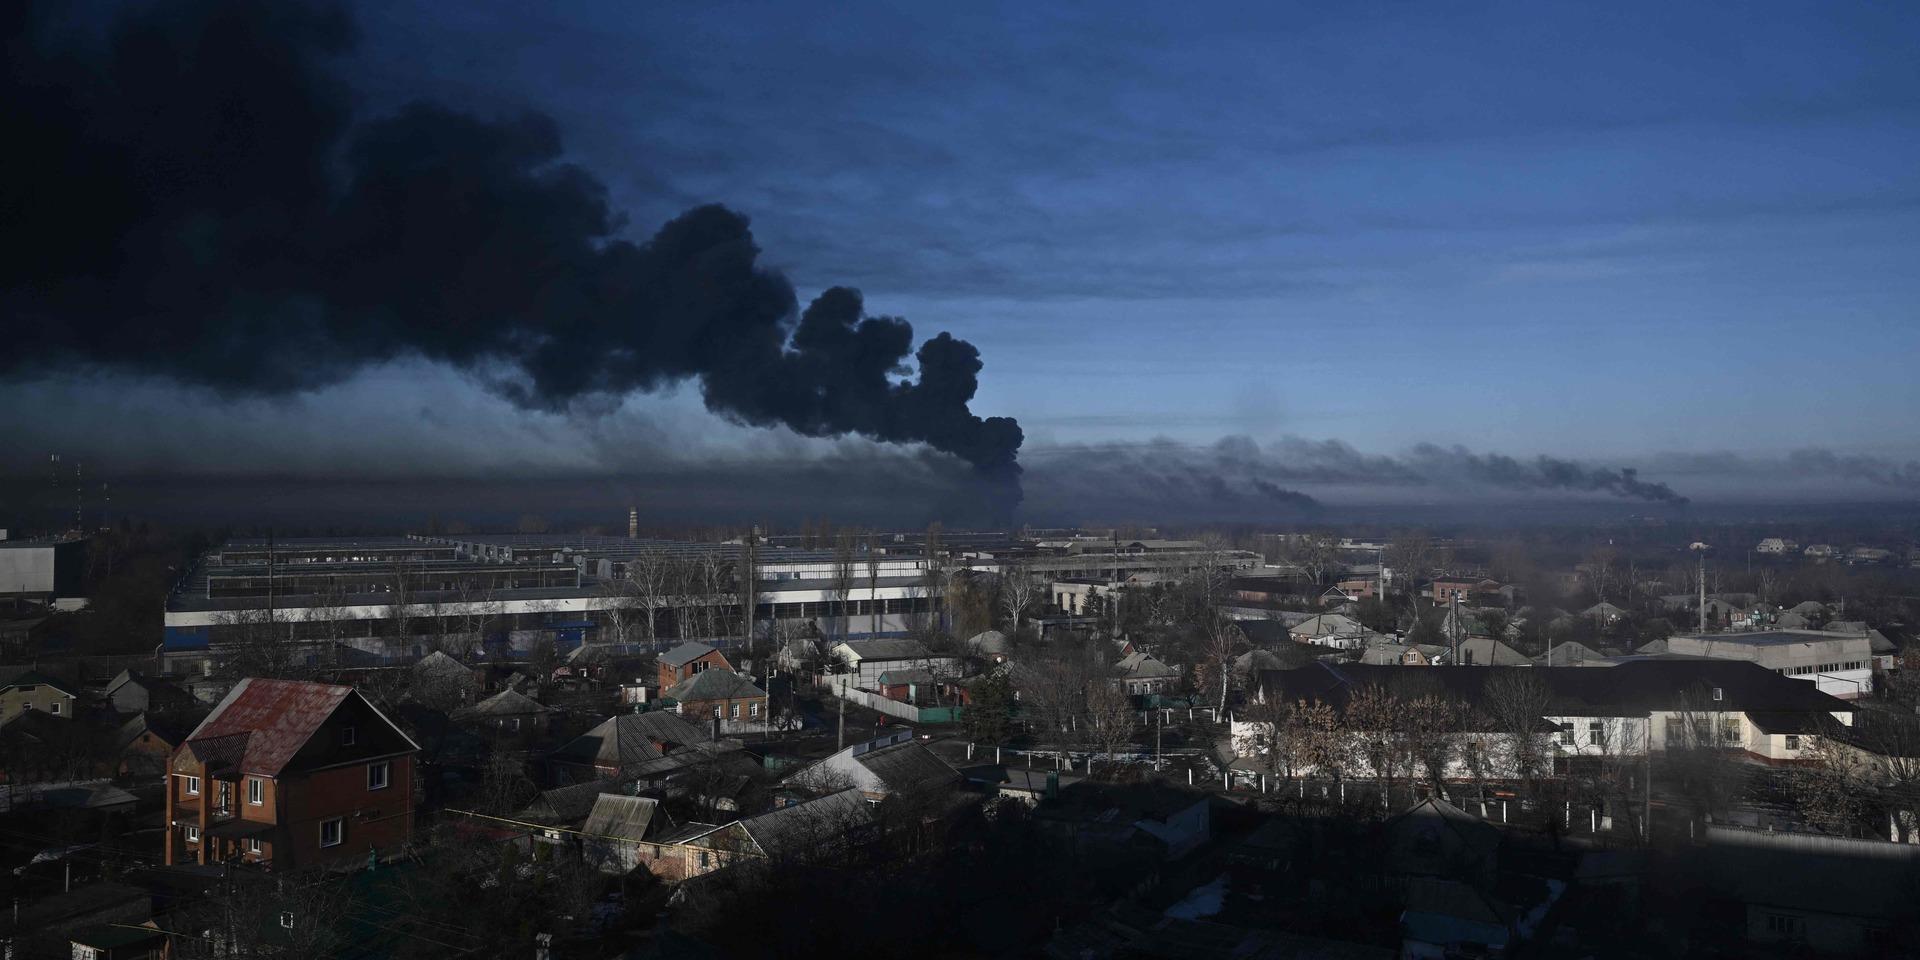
(185, 638)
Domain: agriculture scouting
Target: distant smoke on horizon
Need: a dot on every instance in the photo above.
(1236, 461)
(194, 199)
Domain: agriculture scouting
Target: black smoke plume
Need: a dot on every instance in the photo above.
(190, 196)
(1540, 473)
(1170, 468)
(1880, 471)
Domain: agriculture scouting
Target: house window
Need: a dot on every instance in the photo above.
(256, 791)
(379, 775)
(193, 834)
(1793, 741)
(348, 736)
(716, 711)
(253, 845)
(193, 786)
(332, 832)
(1596, 732)
(54, 708)
(1730, 730)
(1718, 694)
(286, 920)
(753, 710)
(1781, 925)
(1566, 734)
(733, 711)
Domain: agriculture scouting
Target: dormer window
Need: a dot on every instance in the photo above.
(1717, 694)
(349, 736)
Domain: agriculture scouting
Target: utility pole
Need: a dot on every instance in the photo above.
(1454, 634)
(840, 739)
(1701, 549)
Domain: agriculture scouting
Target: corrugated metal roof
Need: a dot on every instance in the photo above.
(806, 827)
(506, 703)
(685, 653)
(714, 685)
(277, 717)
(630, 738)
(622, 817)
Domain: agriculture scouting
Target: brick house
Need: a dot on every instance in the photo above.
(719, 695)
(687, 659)
(289, 774)
(1463, 589)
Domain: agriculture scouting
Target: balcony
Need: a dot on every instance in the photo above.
(187, 810)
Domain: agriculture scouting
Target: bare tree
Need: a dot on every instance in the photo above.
(1378, 722)
(1223, 642)
(1697, 760)
(651, 574)
(1517, 701)
(1317, 738)
(934, 575)
(1831, 791)
(1597, 571)
(746, 583)
(1018, 589)
(843, 578)
(873, 584)
(621, 609)
(1110, 719)
(1317, 554)
(1054, 690)
(1434, 726)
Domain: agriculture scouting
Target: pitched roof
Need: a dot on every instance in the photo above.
(806, 826)
(623, 817)
(908, 675)
(440, 664)
(908, 766)
(1488, 652)
(878, 766)
(987, 642)
(1140, 666)
(262, 723)
(506, 703)
(632, 738)
(1279, 656)
(31, 676)
(714, 685)
(685, 653)
(169, 733)
(902, 649)
(568, 804)
(1328, 623)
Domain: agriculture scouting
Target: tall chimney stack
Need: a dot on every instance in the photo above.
(633, 523)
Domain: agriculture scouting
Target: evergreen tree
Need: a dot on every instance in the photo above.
(988, 717)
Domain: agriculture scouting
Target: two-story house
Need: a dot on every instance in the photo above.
(290, 774)
(686, 660)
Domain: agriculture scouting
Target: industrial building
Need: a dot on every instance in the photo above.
(1840, 664)
(46, 572)
(385, 600)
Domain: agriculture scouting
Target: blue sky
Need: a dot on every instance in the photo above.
(1603, 231)
(1606, 232)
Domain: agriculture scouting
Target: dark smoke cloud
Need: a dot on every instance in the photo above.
(193, 199)
(1235, 461)
(1879, 471)
(1540, 473)
(1160, 481)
